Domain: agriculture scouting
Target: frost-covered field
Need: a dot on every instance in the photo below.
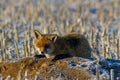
(98, 20)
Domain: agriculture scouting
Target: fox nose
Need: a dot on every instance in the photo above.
(42, 52)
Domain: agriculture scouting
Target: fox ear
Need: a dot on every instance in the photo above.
(37, 33)
(53, 37)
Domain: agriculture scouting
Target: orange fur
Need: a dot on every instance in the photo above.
(53, 45)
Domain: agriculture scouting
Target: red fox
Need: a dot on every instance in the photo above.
(54, 46)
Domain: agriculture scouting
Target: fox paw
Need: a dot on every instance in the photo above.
(36, 57)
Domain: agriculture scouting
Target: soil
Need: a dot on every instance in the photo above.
(46, 68)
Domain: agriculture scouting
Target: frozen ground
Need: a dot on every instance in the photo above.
(98, 20)
(69, 68)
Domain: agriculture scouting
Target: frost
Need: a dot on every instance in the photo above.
(90, 66)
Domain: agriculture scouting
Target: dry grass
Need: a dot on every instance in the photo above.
(98, 20)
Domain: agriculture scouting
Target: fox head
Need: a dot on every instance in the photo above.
(44, 42)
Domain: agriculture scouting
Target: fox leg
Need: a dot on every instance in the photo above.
(61, 56)
(39, 56)
(36, 57)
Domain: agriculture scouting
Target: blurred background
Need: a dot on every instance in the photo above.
(98, 20)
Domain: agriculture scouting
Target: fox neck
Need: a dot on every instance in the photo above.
(58, 41)
(59, 44)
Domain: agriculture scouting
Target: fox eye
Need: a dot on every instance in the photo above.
(47, 46)
(38, 45)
